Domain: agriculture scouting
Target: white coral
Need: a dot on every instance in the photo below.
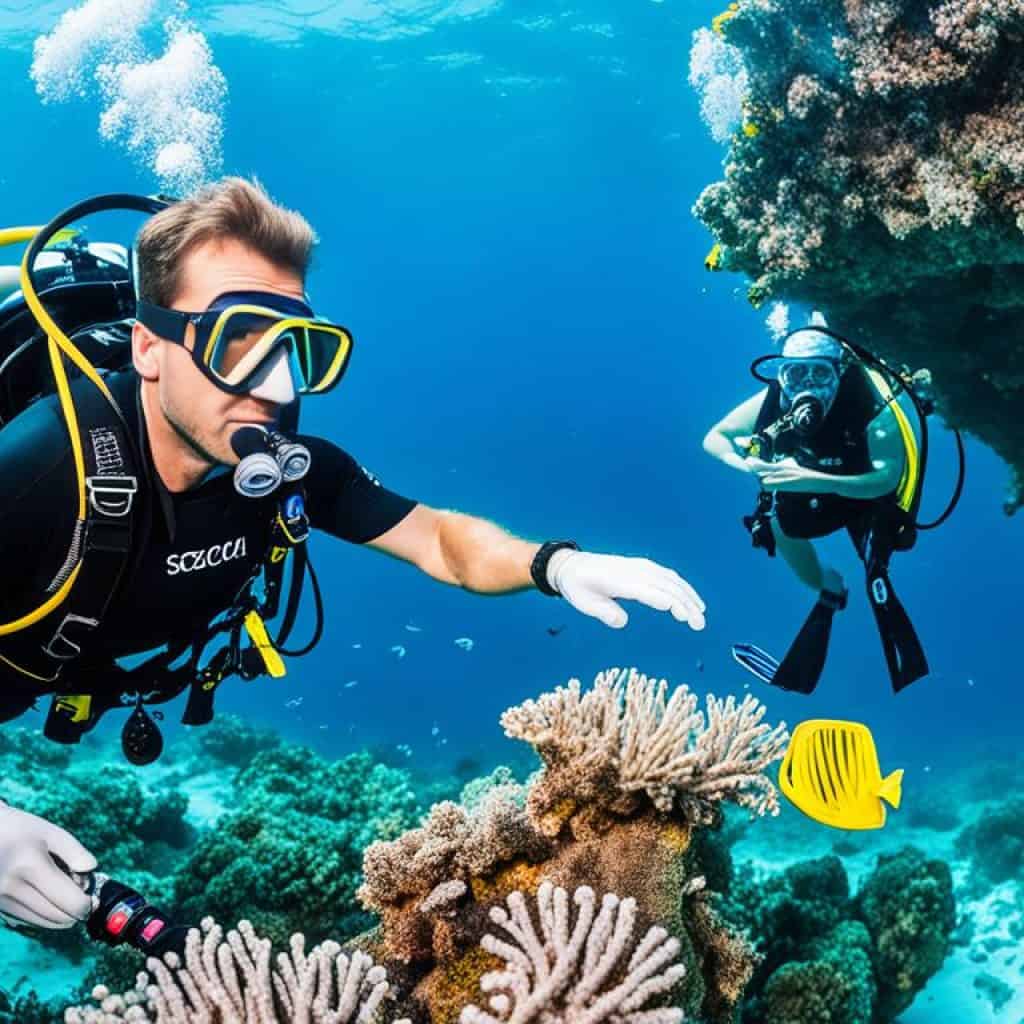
(228, 980)
(666, 748)
(576, 973)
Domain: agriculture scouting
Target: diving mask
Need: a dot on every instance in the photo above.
(242, 333)
(817, 377)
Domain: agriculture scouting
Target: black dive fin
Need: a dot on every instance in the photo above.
(804, 662)
(903, 652)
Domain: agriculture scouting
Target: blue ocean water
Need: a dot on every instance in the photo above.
(503, 197)
(503, 203)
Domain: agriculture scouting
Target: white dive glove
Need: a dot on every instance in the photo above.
(33, 890)
(590, 583)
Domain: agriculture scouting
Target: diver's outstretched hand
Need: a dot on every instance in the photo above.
(33, 890)
(591, 583)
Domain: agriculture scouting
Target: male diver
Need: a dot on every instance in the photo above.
(831, 449)
(152, 499)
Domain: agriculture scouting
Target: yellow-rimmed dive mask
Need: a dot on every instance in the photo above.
(241, 332)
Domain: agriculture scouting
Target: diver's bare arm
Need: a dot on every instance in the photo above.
(461, 550)
(721, 440)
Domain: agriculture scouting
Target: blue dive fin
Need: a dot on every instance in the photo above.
(754, 660)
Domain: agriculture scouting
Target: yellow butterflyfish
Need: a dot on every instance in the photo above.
(831, 773)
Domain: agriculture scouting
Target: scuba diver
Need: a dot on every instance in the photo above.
(154, 488)
(832, 449)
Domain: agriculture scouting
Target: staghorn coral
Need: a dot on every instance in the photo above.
(573, 972)
(228, 979)
(885, 185)
(623, 741)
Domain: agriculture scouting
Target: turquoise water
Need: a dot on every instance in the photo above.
(503, 194)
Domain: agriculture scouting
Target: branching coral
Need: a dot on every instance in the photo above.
(631, 769)
(885, 185)
(576, 973)
(623, 740)
(228, 979)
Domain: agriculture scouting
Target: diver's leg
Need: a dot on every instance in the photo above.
(802, 557)
(804, 662)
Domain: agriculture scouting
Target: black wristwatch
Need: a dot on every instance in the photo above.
(539, 565)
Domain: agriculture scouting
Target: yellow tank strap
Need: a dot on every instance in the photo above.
(909, 480)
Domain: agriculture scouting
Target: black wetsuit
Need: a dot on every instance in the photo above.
(200, 547)
(839, 447)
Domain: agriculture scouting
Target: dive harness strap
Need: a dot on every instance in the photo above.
(249, 615)
(159, 680)
(100, 546)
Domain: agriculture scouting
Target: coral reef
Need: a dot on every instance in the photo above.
(654, 768)
(908, 907)
(879, 176)
(630, 774)
(228, 979)
(137, 832)
(829, 956)
(291, 853)
(622, 747)
(566, 969)
(995, 843)
(234, 741)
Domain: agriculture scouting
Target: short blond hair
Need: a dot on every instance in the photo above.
(234, 208)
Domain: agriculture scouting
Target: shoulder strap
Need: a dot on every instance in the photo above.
(100, 547)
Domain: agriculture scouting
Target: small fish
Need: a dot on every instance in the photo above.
(351, 683)
(970, 682)
(399, 650)
(293, 703)
(831, 773)
(434, 731)
(700, 664)
(465, 643)
(323, 726)
(413, 629)
(555, 630)
(356, 646)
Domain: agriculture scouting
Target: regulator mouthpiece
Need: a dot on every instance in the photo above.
(257, 473)
(807, 413)
(293, 458)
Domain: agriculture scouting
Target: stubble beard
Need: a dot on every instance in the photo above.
(190, 439)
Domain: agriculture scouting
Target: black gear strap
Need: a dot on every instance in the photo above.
(539, 565)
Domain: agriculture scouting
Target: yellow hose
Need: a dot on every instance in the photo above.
(57, 342)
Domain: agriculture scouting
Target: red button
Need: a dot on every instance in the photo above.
(152, 930)
(116, 922)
